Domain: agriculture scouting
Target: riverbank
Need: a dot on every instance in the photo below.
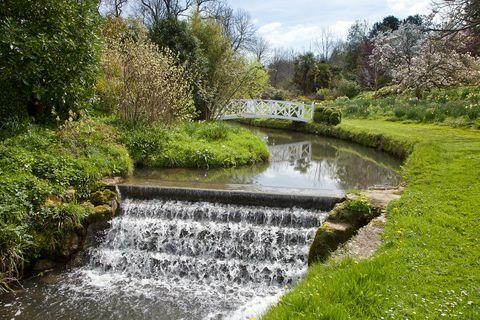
(428, 265)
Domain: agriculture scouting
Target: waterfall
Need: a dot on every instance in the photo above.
(199, 260)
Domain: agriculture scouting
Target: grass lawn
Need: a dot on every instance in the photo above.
(429, 265)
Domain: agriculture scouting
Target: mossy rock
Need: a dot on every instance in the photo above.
(357, 212)
(100, 213)
(102, 197)
(327, 239)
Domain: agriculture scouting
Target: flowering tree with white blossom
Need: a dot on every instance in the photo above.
(420, 61)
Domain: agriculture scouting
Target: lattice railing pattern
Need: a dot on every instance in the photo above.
(296, 111)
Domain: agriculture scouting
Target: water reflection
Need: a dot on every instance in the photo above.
(297, 161)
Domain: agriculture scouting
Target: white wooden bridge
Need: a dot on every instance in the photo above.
(271, 109)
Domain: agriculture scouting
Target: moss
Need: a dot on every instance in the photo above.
(102, 197)
(327, 239)
(100, 213)
(342, 223)
(356, 212)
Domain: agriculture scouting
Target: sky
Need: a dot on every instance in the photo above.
(295, 24)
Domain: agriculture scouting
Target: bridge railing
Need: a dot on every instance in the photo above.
(272, 109)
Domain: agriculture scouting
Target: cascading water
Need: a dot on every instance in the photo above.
(185, 260)
(168, 260)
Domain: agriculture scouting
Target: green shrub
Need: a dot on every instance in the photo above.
(328, 116)
(39, 168)
(48, 56)
(347, 88)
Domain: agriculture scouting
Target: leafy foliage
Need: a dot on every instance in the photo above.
(150, 84)
(456, 107)
(40, 167)
(48, 57)
(328, 116)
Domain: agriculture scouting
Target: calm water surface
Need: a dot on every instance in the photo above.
(298, 161)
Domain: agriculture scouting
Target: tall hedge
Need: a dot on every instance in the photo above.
(49, 53)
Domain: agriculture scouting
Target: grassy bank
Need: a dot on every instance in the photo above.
(193, 145)
(428, 267)
(46, 173)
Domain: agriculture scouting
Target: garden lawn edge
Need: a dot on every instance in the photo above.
(429, 264)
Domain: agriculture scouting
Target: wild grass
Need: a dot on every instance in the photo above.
(429, 264)
(193, 145)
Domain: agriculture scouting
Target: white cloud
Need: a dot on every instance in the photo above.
(340, 28)
(408, 7)
(289, 36)
(299, 36)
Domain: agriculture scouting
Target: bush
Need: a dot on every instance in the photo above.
(325, 94)
(153, 85)
(328, 116)
(48, 57)
(39, 168)
(347, 88)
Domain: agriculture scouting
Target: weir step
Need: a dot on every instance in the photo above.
(325, 200)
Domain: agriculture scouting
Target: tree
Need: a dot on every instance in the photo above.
(325, 44)
(49, 54)
(281, 68)
(458, 15)
(155, 10)
(397, 49)
(115, 7)
(305, 72)
(357, 36)
(390, 23)
(237, 25)
(420, 61)
(149, 84)
(226, 75)
(460, 18)
(260, 48)
(177, 36)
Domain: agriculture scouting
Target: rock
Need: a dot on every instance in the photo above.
(43, 265)
(70, 194)
(113, 181)
(87, 205)
(102, 197)
(365, 243)
(52, 201)
(327, 239)
(100, 213)
(71, 245)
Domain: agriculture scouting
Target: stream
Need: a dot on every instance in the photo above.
(164, 259)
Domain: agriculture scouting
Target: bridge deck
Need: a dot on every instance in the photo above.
(269, 109)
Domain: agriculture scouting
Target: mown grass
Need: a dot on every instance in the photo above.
(193, 145)
(429, 264)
